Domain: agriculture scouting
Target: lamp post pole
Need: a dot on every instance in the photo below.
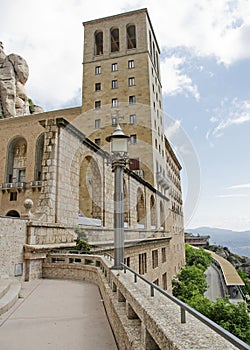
(119, 154)
(118, 167)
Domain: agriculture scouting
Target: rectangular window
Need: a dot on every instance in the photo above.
(13, 196)
(134, 164)
(98, 142)
(131, 81)
(114, 84)
(132, 100)
(114, 67)
(164, 281)
(97, 104)
(132, 119)
(131, 64)
(127, 261)
(114, 102)
(97, 86)
(98, 70)
(142, 263)
(97, 123)
(155, 262)
(163, 255)
(21, 175)
(133, 139)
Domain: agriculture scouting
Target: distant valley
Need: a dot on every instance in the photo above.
(237, 241)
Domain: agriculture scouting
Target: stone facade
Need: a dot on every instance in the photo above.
(60, 161)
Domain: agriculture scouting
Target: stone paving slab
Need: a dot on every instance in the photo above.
(56, 314)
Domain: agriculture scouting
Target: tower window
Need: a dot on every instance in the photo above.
(97, 123)
(97, 86)
(132, 118)
(97, 104)
(114, 39)
(114, 102)
(98, 142)
(133, 139)
(98, 70)
(131, 81)
(98, 43)
(132, 99)
(131, 64)
(131, 37)
(114, 67)
(114, 84)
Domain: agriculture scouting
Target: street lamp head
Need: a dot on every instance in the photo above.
(118, 141)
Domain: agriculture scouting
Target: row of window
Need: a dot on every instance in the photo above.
(132, 120)
(114, 67)
(114, 102)
(114, 84)
(115, 39)
(155, 260)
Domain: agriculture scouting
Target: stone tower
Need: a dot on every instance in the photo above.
(121, 75)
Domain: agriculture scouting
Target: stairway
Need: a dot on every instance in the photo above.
(9, 293)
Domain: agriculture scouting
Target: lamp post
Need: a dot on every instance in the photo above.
(119, 153)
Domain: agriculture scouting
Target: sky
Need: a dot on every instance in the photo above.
(205, 74)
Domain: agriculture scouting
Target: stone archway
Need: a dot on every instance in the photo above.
(90, 189)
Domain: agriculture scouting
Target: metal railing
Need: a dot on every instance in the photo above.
(186, 308)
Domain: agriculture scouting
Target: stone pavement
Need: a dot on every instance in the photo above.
(57, 314)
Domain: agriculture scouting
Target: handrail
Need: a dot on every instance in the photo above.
(184, 307)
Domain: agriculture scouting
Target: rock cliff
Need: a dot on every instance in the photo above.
(14, 73)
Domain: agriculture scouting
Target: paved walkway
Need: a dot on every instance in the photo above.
(57, 315)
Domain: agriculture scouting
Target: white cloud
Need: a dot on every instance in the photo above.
(174, 80)
(241, 186)
(173, 129)
(231, 195)
(230, 113)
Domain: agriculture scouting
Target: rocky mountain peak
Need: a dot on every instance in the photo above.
(14, 73)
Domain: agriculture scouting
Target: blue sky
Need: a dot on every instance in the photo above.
(205, 71)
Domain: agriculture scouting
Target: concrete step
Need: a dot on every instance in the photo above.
(10, 297)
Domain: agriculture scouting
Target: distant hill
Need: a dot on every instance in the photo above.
(237, 241)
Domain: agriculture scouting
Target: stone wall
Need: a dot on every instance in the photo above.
(139, 318)
(12, 240)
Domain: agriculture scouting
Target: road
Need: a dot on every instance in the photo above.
(214, 290)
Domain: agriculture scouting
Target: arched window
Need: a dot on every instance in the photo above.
(13, 214)
(98, 43)
(131, 37)
(152, 212)
(39, 158)
(16, 160)
(162, 216)
(140, 207)
(114, 37)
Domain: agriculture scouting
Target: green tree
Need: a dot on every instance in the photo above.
(245, 279)
(197, 257)
(190, 282)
